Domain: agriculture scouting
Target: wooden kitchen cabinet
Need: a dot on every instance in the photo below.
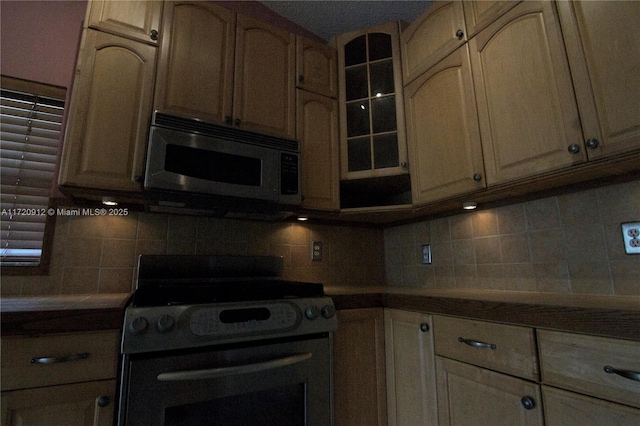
(138, 20)
(372, 135)
(359, 394)
(562, 408)
(528, 117)
(431, 37)
(603, 42)
(479, 14)
(223, 67)
(411, 381)
(317, 121)
(59, 379)
(109, 114)
(316, 67)
(443, 136)
(470, 395)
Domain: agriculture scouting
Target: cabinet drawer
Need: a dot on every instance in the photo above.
(58, 359)
(506, 348)
(577, 362)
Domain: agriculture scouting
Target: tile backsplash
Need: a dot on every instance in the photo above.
(566, 244)
(97, 254)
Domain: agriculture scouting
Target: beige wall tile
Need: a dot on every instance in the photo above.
(118, 253)
(485, 223)
(542, 214)
(83, 252)
(590, 278)
(487, 250)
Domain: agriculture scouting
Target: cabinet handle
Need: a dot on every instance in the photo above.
(301, 78)
(592, 143)
(137, 178)
(153, 34)
(574, 148)
(527, 402)
(477, 177)
(627, 374)
(104, 401)
(56, 360)
(476, 344)
(459, 34)
(227, 120)
(404, 165)
(237, 122)
(424, 327)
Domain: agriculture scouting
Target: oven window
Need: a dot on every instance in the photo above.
(213, 166)
(283, 406)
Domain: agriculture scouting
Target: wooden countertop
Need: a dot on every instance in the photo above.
(611, 316)
(64, 313)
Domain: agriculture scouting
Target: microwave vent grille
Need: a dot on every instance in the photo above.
(222, 132)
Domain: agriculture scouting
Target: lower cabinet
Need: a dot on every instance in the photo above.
(470, 395)
(411, 384)
(359, 394)
(81, 404)
(59, 379)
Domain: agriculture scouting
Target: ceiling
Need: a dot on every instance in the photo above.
(328, 18)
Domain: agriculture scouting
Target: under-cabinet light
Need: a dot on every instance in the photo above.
(109, 201)
(469, 205)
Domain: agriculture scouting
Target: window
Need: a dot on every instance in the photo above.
(30, 125)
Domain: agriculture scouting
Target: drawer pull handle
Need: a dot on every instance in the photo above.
(631, 375)
(56, 360)
(476, 344)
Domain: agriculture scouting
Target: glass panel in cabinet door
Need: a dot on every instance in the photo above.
(359, 154)
(355, 52)
(385, 151)
(383, 114)
(356, 82)
(379, 46)
(358, 118)
(381, 78)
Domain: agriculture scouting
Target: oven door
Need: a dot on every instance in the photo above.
(284, 383)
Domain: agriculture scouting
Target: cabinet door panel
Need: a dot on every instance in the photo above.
(526, 105)
(603, 42)
(195, 71)
(317, 67)
(563, 408)
(411, 379)
(133, 19)
(264, 98)
(431, 37)
(469, 395)
(479, 14)
(318, 132)
(442, 131)
(359, 368)
(106, 135)
(75, 404)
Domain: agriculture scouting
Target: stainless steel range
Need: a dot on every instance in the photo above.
(225, 340)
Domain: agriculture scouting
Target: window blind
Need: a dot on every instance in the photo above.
(30, 128)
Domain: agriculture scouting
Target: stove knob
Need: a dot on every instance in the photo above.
(312, 312)
(139, 325)
(165, 323)
(328, 311)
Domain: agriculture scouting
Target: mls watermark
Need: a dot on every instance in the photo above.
(65, 212)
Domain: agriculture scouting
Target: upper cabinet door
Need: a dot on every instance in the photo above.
(106, 136)
(443, 136)
(529, 121)
(317, 67)
(603, 45)
(479, 14)
(195, 68)
(139, 20)
(264, 99)
(431, 37)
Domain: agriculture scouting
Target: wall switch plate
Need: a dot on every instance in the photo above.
(426, 254)
(316, 251)
(631, 237)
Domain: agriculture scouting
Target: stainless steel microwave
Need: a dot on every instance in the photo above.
(194, 157)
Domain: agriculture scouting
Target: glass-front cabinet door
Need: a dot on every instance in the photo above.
(372, 120)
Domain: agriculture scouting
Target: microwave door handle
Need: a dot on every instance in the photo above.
(236, 370)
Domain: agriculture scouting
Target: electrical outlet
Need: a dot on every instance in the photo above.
(631, 237)
(316, 251)
(426, 254)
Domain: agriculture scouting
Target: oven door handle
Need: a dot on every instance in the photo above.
(236, 370)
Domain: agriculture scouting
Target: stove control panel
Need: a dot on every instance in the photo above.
(149, 329)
